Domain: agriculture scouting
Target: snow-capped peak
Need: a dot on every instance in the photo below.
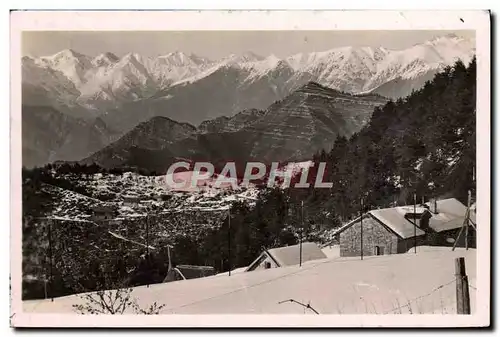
(105, 59)
(132, 57)
(176, 58)
(242, 58)
(66, 54)
(272, 59)
(447, 37)
(181, 59)
(69, 62)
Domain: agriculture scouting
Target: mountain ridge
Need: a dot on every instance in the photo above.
(308, 120)
(351, 69)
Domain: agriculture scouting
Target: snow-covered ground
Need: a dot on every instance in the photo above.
(404, 283)
(331, 251)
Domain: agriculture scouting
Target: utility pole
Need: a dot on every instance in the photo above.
(415, 220)
(361, 228)
(229, 238)
(50, 258)
(300, 237)
(147, 246)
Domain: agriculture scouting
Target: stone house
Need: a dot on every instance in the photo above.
(398, 229)
(286, 256)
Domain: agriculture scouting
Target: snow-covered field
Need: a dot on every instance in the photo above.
(404, 283)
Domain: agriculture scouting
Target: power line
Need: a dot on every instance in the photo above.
(420, 297)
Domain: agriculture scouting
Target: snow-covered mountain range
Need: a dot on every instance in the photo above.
(120, 93)
(107, 81)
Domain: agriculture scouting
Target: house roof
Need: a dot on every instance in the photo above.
(185, 266)
(394, 218)
(341, 229)
(290, 255)
(189, 272)
(451, 215)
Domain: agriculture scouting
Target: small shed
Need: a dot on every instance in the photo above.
(187, 272)
(287, 256)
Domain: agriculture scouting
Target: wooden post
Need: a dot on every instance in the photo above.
(361, 229)
(462, 282)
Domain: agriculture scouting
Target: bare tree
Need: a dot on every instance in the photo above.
(114, 302)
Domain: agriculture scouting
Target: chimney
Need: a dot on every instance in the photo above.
(433, 206)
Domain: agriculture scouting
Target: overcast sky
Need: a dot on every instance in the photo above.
(217, 44)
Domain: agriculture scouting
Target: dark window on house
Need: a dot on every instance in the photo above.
(267, 264)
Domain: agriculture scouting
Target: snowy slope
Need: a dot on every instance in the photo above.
(346, 69)
(420, 59)
(420, 283)
(70, 63)
(109, 78)
(50, 83)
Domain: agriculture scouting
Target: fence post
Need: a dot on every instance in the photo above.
(462, 283)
